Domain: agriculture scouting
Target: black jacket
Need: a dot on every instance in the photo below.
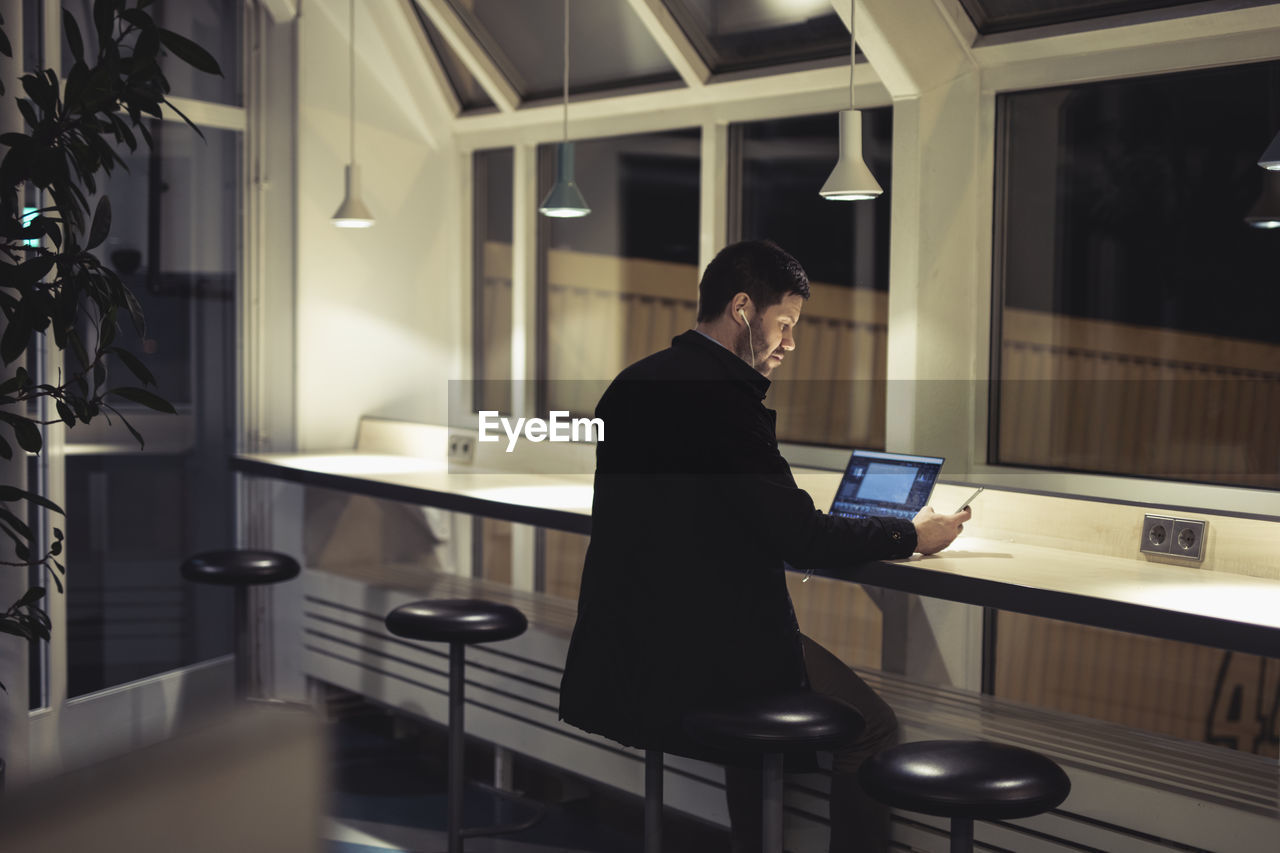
(684, 601)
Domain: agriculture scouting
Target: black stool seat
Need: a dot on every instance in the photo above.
(236, 568)
(457, 620)
(798, 721)
(966, 779)
(769, 727)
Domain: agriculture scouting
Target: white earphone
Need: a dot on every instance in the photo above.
(743, 315)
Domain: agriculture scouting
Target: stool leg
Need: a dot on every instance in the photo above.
(456, 663)
(962, 835)
(653, 801)
(243, 643)
(771, 841)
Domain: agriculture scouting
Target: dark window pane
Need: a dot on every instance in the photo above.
(32, 35)
(133, 516)
(620, 283)
(215, 25)
(1137, 321)
(470, 93)
(1180, 689)
(831, 389)
(734, 35)
(996, 16)
(492, 336)
(526, 40)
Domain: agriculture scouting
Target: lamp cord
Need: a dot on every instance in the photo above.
(853, 49)
(566, 71)
(351, 28)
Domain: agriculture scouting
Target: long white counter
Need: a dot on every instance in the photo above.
(1230, 611)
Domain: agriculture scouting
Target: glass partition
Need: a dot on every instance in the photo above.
(735, 35)
(526, 39)
(620, 283)
(134, 514)
(1135, 319)
(215, 25)
(831, 390)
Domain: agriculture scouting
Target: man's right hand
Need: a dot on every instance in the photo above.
(935, 531)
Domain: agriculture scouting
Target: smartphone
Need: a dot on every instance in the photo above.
(969, 499)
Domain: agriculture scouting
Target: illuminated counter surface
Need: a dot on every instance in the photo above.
(1191, 604)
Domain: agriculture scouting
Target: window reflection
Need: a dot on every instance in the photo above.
(1136, 322)
(621, 283)
(133, 516)
(831, 390)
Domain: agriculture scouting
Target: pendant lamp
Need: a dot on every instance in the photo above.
(565, 200)
(851, 180)
(1270, 159)
(1265, 212)
(353, 213)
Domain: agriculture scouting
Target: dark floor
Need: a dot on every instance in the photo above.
(389, 794)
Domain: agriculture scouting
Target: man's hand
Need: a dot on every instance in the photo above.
(935, 531)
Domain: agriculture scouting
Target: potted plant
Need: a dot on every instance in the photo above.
(51, 283)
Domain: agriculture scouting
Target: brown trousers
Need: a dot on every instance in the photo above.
(858, 823)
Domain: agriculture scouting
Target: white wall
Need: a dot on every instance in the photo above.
(381, 312)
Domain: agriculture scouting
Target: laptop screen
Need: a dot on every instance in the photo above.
(894, 484)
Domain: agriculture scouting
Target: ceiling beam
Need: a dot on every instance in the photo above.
(666, 31)
(815, 90)
(473, 55)
(433, 67)
(914, 47)
(1203, 30)
(281, 11)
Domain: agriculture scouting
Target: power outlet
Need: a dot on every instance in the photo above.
(1188, 538)
(1157, 534)
(462, 448)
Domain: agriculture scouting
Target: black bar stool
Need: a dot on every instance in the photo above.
(965, 781)
(241, 570)
(772, 727)
(460, 622)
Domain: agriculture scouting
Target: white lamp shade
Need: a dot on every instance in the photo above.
(565, 200)
(850, 180)
(353, 213)
(1265, 212)
(1270, 158)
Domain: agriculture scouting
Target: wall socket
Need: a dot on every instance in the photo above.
(1177, 537)
(462, 448)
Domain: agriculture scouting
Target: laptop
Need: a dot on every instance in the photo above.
(892, 484)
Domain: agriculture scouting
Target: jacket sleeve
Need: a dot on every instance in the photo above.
(783, 518)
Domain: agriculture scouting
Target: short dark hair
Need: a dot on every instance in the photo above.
(758, 268)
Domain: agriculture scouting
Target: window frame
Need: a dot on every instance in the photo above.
(1137, 45)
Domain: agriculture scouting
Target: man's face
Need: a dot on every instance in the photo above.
(772, 334)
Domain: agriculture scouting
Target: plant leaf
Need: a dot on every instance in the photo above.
(101, 224)
(189, 52)
(31, 596)
(13, 343)
(143, 397)
(25, 431)
(72, 31)
(134, 364)
(10, 494)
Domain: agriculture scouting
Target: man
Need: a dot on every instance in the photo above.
(684, 601)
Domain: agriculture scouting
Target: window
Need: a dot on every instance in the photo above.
(732, 35)
(1135, 308)
(213, 24)
(492, 188)
(831, 391)
(1185, 690)
(620, 283)
(1134, 335)
(133, 516)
